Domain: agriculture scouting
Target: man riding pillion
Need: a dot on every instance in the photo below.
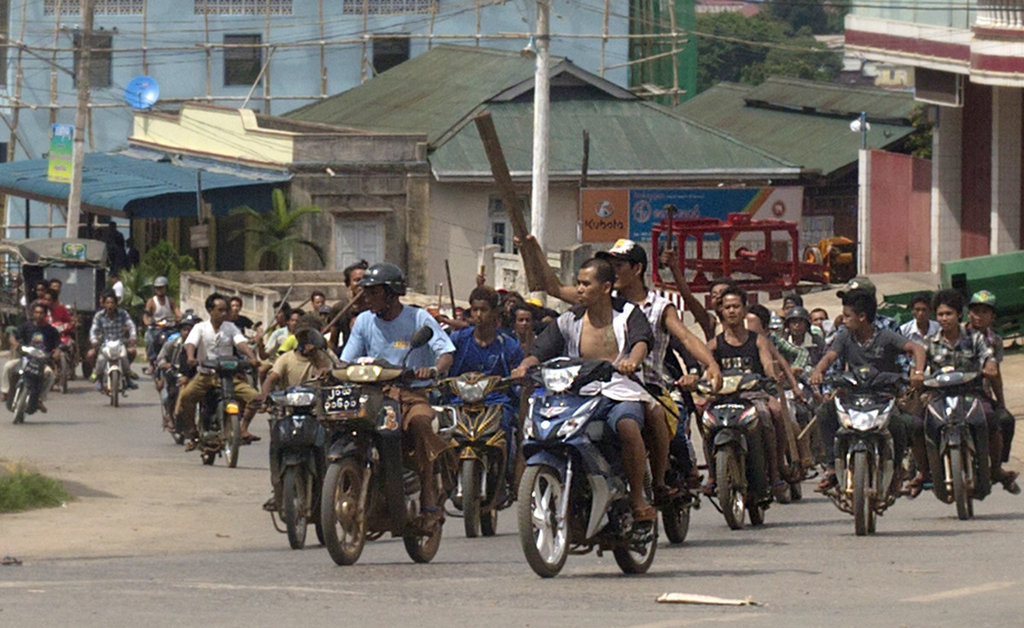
(39, 334)
(210, 340)
(630, 263)
(862, 343)
(383, 331)
(172, 355)
(605, 328)
(160, 308)
(111, 323)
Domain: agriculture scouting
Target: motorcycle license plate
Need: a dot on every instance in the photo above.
(339, 399)
(32, 369)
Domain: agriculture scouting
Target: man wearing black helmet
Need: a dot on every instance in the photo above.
(797, 331)
(383, 331)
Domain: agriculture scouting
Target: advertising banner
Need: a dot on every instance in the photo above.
(59, 168)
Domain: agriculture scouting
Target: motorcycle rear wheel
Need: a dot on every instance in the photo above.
(544, 539)
(232, 437)
(295, 507)
(64, 368)
(20, 403)
(342, 520)
(862, 511)
(114, 386)
(731, 496)
(964, 507)
(676, 519)
(470, 472)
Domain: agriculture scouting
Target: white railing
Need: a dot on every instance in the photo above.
(257, 302)
(1007, 14)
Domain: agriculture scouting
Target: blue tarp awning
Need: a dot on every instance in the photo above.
(146, 186)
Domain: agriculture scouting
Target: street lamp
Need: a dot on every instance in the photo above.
(862, 126)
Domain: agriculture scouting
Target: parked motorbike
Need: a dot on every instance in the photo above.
(371, 486)
(559, 512)
(27, 386)
(297, 450)
(482, 449)
(959, 474)
(220, 429)
(864, 403)
(114, 377)
(735, 448)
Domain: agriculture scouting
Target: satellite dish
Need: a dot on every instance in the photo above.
(141, 92)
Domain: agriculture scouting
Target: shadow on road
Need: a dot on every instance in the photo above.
(78, 489)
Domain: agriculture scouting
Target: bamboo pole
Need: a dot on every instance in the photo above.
(53, 62)
(266, 66)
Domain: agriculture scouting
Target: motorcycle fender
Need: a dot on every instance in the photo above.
(861, 445)
(603, 493)
(548, 458)
(344, 447)
(953, 438)
(726, 437)
(468, 453)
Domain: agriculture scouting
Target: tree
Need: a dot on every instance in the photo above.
(805, 13)
(164, 260)
(277, 232)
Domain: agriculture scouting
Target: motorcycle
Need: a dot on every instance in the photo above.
(675, 516)
(28, 385)
(371, 486)
(297, 450)
(114, 376)
(959, 474)
(169, 399)
(482, 449)
(559, 512)
(220, 428)
(164, 330)
(731, 434)
(864, 403)
(65, 366)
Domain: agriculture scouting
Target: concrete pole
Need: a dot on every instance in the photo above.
(81, 113)
(541, 109)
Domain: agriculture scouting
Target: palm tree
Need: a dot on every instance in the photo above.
(277, 231)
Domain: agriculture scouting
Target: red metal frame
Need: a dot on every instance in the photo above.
(771, 275)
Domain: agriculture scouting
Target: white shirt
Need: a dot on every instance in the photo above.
(910, 331)
(211, 344)
(118, 289)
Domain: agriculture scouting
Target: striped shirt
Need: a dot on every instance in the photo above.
(105, 328)
(653, 308)
(969, 352)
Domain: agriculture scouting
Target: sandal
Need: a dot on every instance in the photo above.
(829, 481)
(780, 491)
(248, 438)
(915, 486)
(645, 514)
(1009, 482)
(663, 495)
(429, 519)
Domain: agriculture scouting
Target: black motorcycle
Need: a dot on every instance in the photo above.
(169, 399)
(220, 428)
(372, 487)
(297, 457)
(959, 473)
(28, 383)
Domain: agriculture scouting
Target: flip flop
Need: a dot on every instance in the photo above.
(645, 513)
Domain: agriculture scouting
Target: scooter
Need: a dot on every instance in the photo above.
(220, 431)
(960, 473)
(28, 384)
(114, 378)
(573, 496)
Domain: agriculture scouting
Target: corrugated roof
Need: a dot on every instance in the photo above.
(120, 184)
(626, 137)
(832, 99)
(814, 142)
(428, 94)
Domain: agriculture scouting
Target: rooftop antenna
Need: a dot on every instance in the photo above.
(141, 92)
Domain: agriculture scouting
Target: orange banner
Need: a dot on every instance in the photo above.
(605, 214)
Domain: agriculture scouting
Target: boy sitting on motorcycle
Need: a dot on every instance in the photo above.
(111, 323)
(39, 334)
(862, 343)
(603, 328)
(960, 347)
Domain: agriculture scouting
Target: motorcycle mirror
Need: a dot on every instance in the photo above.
(421, 337)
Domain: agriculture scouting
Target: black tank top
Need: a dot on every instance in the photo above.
(742, 358)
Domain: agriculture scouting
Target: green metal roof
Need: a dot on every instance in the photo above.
(832, 99)
(630, 138)
(813, 141)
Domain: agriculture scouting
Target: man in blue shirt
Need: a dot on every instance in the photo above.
(383, 331)
(484, 348)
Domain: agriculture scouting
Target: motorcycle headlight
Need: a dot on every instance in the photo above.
(299, 398)
(571, 426)
(231, 407)
(560, 380)
(363, 372)
(472, 393)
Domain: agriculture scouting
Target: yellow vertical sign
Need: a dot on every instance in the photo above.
(59, 168)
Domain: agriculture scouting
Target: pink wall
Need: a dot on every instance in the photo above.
(900, 201)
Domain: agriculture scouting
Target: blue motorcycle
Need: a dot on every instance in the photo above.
(573, 496)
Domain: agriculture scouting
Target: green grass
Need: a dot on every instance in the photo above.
(22, 490)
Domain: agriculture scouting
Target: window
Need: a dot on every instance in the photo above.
(100, 58)
(387, 7)
(103, 7)
(243, 59)
(389, 52)
(499, 227)
(242, 7)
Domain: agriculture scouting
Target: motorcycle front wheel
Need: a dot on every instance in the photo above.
(470, 479)
(862, 510)
(676, 519)
(964, 508)
(341, 517)
(114, 387)
(545, 539)
(231, 433)
(295, 507)
(20, 403)
(731, 494)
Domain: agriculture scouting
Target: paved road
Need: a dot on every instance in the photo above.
(200, 551)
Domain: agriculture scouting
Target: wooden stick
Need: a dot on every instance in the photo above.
(451, 289)
(528, 249)
(342, 312)
(807, 428)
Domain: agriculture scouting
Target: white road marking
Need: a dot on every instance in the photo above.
(962, 592)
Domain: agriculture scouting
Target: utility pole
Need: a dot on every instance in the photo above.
(81, 113)
(541, 109)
